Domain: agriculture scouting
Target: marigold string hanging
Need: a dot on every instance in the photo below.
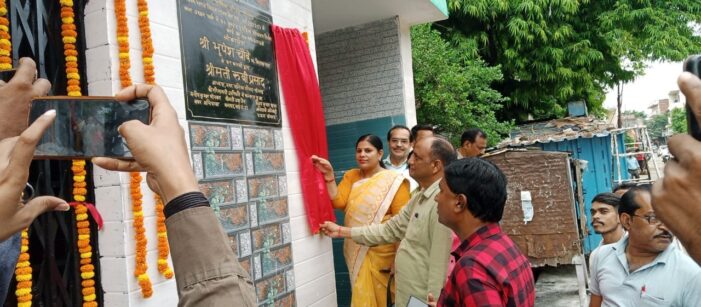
(149, 78)
(87, 269)
(141, 267)
(23, 269)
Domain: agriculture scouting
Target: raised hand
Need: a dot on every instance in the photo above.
(675, 197)
(16, 154)
(16, 95)
(158, 148)
(333, 230)
(324, 166)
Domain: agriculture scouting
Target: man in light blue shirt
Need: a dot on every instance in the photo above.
(644, 268)
(633, 166)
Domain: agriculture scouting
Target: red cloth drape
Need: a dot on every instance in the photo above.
(303, 103)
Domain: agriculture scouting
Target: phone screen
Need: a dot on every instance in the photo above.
(86, 127)
(693, 65)
(415, 302)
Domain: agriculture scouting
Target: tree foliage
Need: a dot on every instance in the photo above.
(657, 126)
(553, 52)
(452, 87)
(679, 124)
(637, 114)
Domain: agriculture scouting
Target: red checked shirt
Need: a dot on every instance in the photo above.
(490, 271)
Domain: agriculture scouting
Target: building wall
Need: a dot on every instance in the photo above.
(360, 72)
(312, 275)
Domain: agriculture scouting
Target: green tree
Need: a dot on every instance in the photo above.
(553, 52)
(679, 121)
(657, 126)
(452, 87)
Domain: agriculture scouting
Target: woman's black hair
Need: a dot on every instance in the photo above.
(375, 141)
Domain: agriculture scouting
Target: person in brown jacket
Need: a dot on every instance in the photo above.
(207, 271)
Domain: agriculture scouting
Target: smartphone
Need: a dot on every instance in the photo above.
(86, 127)
(693, 65)
(6, 75)
(415, 302)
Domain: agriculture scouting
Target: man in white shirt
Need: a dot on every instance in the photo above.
(605, 221)
(399, 141)
(644, 268)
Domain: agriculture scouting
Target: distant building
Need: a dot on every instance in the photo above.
(675, 100)
(658, 107)
(631, 120)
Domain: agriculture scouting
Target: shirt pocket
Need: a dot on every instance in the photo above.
(651, 300)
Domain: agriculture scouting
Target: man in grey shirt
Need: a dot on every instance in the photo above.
(644, 268)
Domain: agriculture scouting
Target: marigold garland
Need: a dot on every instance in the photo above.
(135, 178)
(149, 78)
(87, 269)
(120, 10)
(5, 42)
(23, 273)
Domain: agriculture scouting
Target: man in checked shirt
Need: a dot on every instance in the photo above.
(490, 270)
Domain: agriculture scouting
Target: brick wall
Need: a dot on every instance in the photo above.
(360, 72)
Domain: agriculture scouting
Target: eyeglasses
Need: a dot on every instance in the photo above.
(651, 219)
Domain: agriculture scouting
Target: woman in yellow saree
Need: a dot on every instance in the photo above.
(369, 194)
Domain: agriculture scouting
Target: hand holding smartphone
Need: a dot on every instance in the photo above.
(6, 75)
(693, 65)
(86, 127)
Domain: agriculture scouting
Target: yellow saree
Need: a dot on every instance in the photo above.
(370, 201)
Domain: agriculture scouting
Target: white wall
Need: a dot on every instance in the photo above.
(314, 275)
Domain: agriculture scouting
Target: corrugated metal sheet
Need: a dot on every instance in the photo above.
(586, 139)
(557, 130)
(551, 237)
(596, 178)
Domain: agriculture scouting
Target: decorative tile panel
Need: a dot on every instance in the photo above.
(223, 164)
(286, 233)
(237, 137)
(241, 170)
(262, 187)
(218, 192)
(254, 215)
(197, 165)
(257, 271)
(241, 191)
(266, 237)
(290, 278)
(246, 264)
(277, 134)
(209, 136)
(268, 162)
(233, 218)
(249, 164)
(258, 138)
(275, 260)
(269, 289)
(244, 244)
(282, 185)
(288, 300)
(272, 210)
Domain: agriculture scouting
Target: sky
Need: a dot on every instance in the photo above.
(659, 79)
